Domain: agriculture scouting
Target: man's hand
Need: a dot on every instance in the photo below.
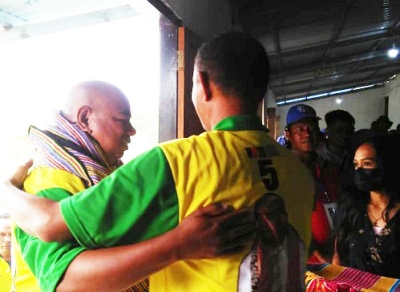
(214, 230)
(18, 178)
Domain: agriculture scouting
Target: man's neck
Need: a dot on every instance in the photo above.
(224, 107)
(309, 159)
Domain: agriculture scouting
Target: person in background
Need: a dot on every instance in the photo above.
(339, 142)
(368, 226)
(339, 130)
(235, 162)
(80, 147)
(5, 252)
(303, 133)
(381, 125)
(283, 141)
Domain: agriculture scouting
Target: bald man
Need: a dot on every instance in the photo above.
(83, 145)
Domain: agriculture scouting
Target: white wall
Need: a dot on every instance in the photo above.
(204, 17)
(393, 91)
(365, 106)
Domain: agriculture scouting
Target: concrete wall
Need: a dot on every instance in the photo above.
(393, 91)
(365, 106)
(204, 17)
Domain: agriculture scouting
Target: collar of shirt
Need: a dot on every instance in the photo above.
(240, 123)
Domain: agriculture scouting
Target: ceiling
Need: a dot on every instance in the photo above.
(323, 46)
(314, 46)
(27, 18)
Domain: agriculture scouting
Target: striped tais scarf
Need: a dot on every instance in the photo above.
(63, 145)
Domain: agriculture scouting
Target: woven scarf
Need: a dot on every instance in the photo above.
(63, 145)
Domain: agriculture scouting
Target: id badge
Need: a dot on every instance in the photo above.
(330, 210)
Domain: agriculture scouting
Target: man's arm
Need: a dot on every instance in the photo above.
(208, 232)
(37, 216)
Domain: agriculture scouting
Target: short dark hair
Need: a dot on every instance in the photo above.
(237, 63)
(339, 115)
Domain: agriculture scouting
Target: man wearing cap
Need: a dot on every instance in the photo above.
(303, 132)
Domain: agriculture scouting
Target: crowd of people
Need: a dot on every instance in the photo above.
(354, 220)
(228, 210)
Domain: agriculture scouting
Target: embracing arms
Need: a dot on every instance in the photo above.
(211, 231)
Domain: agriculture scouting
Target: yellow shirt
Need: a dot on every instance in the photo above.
(38, 179)
(5, 276)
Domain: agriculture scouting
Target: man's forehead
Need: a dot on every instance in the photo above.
(126, 113)
(115, 109)
(305, 121)
(5, 225)
(341, 124)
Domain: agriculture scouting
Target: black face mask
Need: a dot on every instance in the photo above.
(368, 179)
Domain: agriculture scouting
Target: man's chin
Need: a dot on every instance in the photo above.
(307, 148)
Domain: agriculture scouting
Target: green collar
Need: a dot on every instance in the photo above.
(240, 123)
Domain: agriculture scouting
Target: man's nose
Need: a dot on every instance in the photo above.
(131, 130)
(307, 131)
(6, 239)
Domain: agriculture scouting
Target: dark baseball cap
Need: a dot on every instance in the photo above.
(299, 112)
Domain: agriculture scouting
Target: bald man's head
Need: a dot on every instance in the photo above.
(90, 93)
(102, 111)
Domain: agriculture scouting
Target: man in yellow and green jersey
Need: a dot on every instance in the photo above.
(235, 162)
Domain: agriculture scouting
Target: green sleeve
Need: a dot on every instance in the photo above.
(136, 202)
(48, 261)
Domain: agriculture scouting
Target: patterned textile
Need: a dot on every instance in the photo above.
(327, 277)
(64, 145)
(142, 286)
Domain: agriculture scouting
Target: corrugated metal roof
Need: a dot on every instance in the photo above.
(19, 12)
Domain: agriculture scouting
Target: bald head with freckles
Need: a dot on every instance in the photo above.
(102, 111)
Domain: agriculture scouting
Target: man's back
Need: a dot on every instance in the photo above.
(234, 164)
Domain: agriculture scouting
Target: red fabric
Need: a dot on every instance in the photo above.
(319, 224)
(327, 192)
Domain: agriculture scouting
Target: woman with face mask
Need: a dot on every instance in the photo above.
(368, 221)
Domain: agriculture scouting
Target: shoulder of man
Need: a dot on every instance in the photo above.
(48, 178)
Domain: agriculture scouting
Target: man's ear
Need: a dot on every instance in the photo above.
(83, 117)
(205, 83)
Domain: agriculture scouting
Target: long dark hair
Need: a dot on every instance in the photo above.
(387, 148)
(353, 203)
